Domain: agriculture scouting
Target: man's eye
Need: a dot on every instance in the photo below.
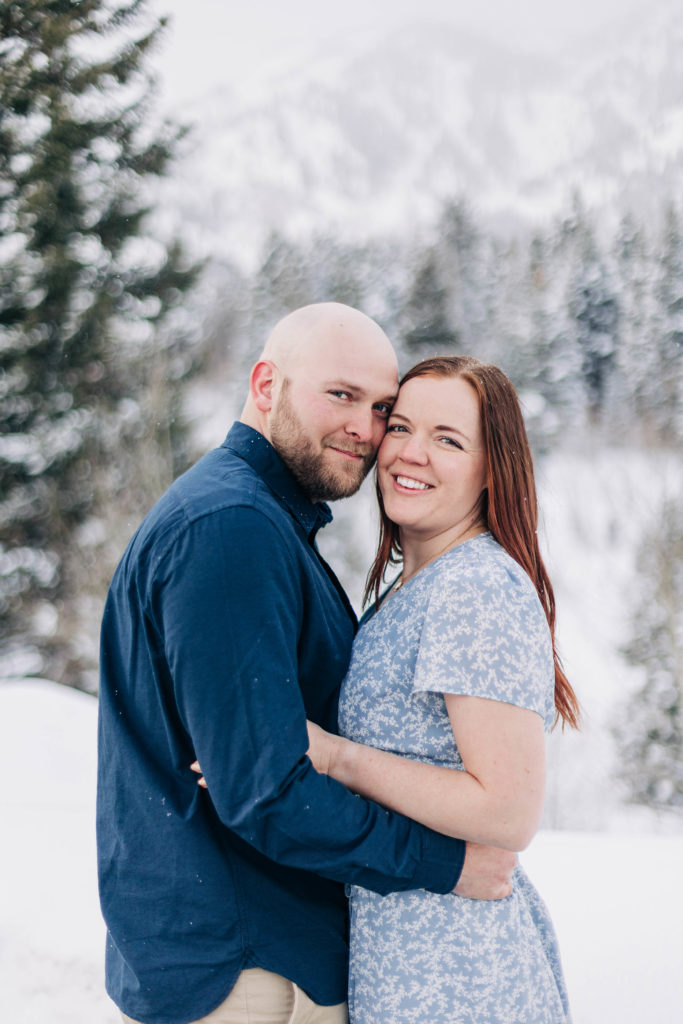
(340, 394)
(383, 409)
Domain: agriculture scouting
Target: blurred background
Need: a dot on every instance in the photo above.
(501, 180)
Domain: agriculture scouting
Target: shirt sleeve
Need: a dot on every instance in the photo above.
(229, 608)
(486, 635)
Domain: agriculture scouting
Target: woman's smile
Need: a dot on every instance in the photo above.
(411, 484)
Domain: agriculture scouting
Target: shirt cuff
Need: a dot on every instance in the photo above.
(441, 864)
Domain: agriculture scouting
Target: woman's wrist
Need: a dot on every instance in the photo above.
(342, 760)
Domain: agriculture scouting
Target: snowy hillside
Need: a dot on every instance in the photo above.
(614, 899)
(373, 137)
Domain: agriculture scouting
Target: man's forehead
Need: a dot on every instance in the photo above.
(362, 386)
(360, 364)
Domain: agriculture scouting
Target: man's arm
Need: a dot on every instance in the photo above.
(230, 614)
(485, 875)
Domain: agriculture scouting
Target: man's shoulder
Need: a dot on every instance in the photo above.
(220, 480)
(220, 485)
(221, 490)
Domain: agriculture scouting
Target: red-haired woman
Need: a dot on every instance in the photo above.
(453, 682)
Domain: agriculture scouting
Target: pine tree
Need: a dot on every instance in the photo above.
(529, 327)
(281, 283)
(668, 336)
(90, 356)
(650, 733)
(463, 276)
(633, 413)
(594, 309)
(426, 327)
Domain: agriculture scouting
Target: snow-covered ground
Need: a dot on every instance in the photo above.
(615, 897)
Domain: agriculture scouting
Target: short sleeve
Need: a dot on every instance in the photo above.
(485, 634)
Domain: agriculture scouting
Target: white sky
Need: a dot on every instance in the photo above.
(212, 42)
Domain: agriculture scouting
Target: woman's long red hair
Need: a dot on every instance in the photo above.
(510, 508)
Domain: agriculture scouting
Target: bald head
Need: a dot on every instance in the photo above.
(321, 327)
(323, 385)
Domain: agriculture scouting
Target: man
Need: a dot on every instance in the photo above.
(224, 629)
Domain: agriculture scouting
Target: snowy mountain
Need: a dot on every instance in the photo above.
(374, 136)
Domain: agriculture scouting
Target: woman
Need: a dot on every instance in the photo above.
(453, 681)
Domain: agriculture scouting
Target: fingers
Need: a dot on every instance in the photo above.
(196, 768)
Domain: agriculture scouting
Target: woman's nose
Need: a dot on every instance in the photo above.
(414, 449)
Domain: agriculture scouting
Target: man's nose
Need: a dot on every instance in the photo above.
(361, 423)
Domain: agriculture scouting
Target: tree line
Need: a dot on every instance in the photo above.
(587, 323)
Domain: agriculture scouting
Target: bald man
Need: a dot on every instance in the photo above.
(223, 631)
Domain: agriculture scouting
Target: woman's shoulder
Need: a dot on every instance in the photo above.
(485, 632)
(482, 559)
(480, 573)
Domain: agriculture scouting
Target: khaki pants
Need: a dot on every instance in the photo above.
(260, 997)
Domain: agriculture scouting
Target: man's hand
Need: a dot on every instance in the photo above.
(486, 873)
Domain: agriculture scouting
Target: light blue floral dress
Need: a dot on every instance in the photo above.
(468, 623)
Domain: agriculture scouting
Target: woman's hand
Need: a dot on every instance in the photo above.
(321, 748)
(195, 768)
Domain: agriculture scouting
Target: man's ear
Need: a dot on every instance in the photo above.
(261, 385)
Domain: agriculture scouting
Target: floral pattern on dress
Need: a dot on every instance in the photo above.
(469, 623)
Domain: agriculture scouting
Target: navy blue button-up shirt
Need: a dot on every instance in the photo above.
(223, 630)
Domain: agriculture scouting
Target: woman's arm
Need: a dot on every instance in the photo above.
(496, 801)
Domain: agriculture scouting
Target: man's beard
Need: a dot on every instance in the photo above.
(309, 464)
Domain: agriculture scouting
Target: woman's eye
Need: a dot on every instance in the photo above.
(451, 442)
(394, 428)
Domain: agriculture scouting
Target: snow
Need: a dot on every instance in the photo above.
(596, 508)
(614, 897)
(51, 932)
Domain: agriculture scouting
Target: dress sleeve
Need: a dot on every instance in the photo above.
(485, 634)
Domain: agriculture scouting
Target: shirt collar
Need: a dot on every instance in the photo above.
(259, 453)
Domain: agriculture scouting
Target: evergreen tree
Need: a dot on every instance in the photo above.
(530, 329)
(426, 328)
(635, 399)
(550, 356)
(90, 355)
(650, 734)
(282, 283)
(463, 275)
(336, 272)
(669, 331)
(594, 309)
